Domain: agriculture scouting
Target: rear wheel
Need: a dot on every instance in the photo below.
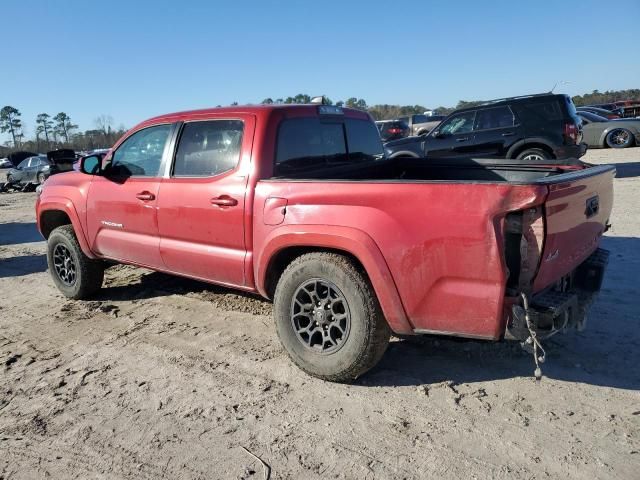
(328, 318)
(76, 275)
(533, 155)
(619, 138)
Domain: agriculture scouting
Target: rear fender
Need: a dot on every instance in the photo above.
(349, 240)
(526, 141)
(65, 205)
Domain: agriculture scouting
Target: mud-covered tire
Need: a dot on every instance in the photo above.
(534, 155)
(88, 273)
(368, 334)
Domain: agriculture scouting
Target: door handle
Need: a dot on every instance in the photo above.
(224, 201)
(145, 196)
(508, 134)
(464, 139)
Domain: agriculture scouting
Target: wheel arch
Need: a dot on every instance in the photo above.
(289, 242)
(58, 212)
(523, 145)
(405, 153)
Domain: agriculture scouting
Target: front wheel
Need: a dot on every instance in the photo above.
(41, 178)
(328, 318)
(619, 138)
(76, 275)
(533, 155)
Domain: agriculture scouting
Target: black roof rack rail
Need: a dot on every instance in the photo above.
(489, 102)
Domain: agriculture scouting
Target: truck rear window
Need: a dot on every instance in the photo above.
(311, 144)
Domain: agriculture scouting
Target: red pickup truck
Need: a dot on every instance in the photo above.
(299, 204)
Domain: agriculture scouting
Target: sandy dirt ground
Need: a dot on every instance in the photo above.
(160, 377)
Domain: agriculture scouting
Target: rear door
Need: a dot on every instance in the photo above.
(122, 222)
(30, 170)
(201, 204)
(495, 130)
(577, 211)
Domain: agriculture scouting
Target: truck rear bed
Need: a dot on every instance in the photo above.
(442, 229)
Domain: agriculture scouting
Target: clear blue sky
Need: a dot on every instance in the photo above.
(135, 59)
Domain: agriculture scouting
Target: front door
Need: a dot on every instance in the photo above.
(452, 138)
(121, 208)
(201, 205)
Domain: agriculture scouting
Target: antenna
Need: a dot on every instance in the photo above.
(560, 82)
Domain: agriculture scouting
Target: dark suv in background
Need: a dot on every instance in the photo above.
(532, 127)
(392, 129)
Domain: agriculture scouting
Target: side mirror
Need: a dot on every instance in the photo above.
(91, 165)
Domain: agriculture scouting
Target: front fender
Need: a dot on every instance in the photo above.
(65, 205)
(350, 240)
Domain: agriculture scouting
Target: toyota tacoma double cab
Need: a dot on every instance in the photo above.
(299, 204)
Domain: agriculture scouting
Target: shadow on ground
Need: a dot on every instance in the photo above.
(606, 354)
(15, 233)
(20, 266)
(627, 169)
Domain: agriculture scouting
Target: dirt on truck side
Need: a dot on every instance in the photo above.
(159, 377)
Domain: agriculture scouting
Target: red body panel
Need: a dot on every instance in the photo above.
(443, 249)
(570, 236)
(119, 225)
(432, 250)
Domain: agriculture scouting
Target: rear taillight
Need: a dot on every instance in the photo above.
(523, 242)
(571, 132)
(395, 131)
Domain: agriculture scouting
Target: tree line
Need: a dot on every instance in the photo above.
(56, 131)
(59, 131)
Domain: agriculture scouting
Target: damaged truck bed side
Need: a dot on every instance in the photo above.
(350, 245)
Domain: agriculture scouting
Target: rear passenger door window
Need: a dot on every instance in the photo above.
(208, 148)
(498, 117)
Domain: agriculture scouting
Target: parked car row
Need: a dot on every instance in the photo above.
(37, 168)
(27, 168)
(623, 108)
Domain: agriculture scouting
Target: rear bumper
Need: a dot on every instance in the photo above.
(570, 151)
(566, 304)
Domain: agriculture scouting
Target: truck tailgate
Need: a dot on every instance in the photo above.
(577, 210)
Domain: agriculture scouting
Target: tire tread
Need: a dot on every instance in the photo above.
(377, 340)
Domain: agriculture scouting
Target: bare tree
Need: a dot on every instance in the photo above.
(103, 123)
